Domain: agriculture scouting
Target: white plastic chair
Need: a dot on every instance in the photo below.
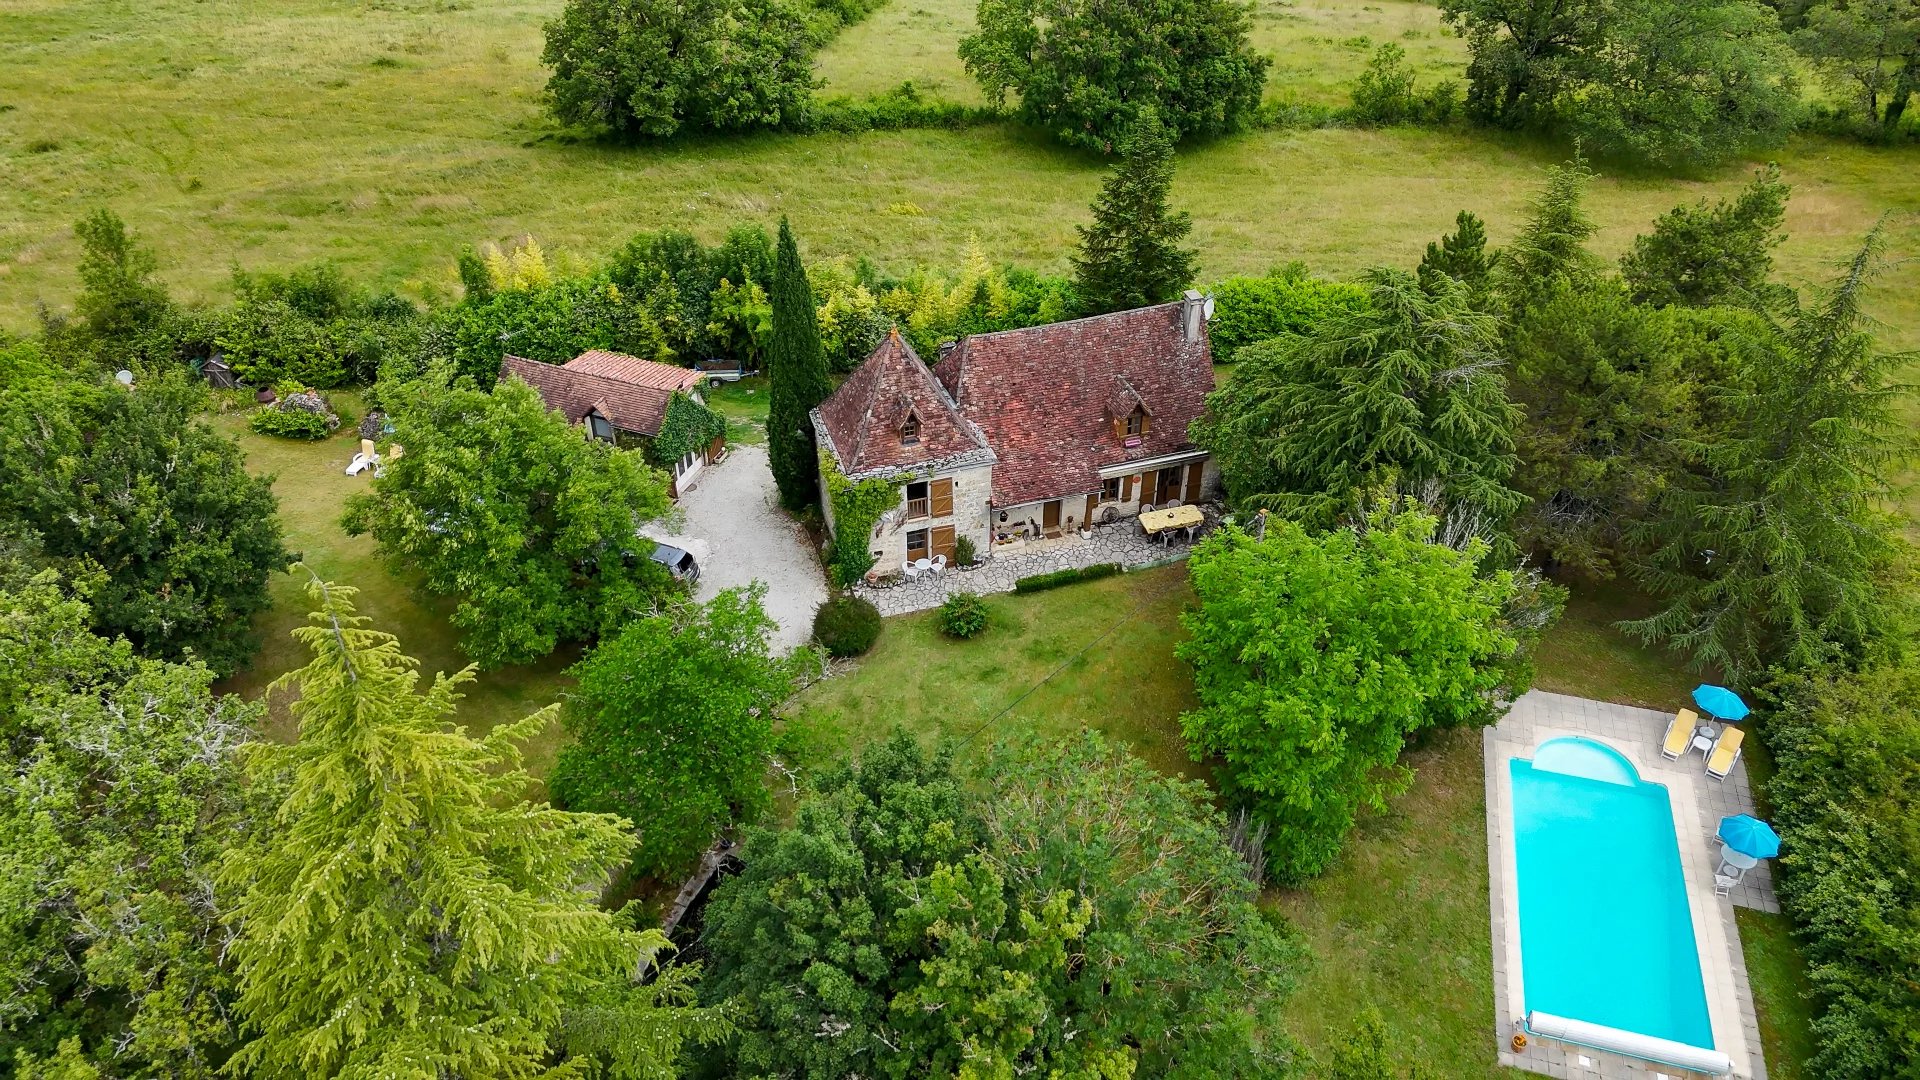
(939, 563)
(910, 569)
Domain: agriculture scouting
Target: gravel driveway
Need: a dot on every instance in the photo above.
(734, 508)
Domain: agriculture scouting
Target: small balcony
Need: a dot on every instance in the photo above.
(916, 508)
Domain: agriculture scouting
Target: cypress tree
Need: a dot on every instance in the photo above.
(1131, 255)
(405, 913)
(797, 371)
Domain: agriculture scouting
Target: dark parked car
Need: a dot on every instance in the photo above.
(678, 560)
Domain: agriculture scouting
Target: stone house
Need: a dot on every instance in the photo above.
(618, 399)
(1028, 435)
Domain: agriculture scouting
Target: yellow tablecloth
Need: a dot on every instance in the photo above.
(1173, 517)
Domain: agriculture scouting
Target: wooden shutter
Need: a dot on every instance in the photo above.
(941, 494)
(1086, 522)
(1194, 472)
(943, 541)
(1126, 489)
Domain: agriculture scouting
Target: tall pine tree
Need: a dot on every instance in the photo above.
(1779, 550)
(407, 914)
(797, 370)
(1460, 255)
(1131, 256)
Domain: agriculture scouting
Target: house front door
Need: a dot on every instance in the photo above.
(917, 545)
(1169, 485)
(1050, 517)
(943, 541)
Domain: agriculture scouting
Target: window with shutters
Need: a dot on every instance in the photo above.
(917, 499)
(940, 498)
(1110, 490)
(1136, 423)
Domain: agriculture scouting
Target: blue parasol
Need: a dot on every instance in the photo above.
(1720, 702)
(1748, 835)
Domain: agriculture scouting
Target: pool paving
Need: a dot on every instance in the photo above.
(1698, 803)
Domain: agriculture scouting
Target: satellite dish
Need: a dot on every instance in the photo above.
(1206, 309)
(123, 377)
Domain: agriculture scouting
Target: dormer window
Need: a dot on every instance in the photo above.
(1136, 423)
(910, 430)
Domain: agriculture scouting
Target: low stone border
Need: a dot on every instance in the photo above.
(1122, 542)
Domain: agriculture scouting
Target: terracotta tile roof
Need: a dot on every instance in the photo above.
(861, 421)
(634, 370)
(1045, 396)
(631, 406)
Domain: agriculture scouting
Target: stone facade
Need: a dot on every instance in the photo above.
(972, 494)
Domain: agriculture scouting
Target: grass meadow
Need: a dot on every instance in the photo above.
(385, 135)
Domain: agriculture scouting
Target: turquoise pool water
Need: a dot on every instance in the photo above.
(1605, 934)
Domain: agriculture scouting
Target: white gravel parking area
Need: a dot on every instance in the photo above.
(734, 508)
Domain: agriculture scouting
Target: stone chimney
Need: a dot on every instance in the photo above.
(1193, 315)
(943, 349)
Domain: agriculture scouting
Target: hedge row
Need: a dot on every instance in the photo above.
(1042, 582)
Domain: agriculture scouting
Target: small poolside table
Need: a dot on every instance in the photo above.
(1702, 744)
(1163, 523)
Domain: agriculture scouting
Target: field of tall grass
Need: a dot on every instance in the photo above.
(386, 135)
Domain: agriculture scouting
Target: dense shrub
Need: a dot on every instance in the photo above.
(1384, 93)
(1846, 794)
(964, 553)
(313, 327)
(846, 625)
(1033, 583)
(898, 109)
(1285, 301)
(963, 615)
(289, 423)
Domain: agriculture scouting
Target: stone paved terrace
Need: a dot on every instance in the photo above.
(1699, 803)
(1122, 542)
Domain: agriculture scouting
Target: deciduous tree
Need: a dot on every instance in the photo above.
(797, 373)
(1130, 256)
(1868, 50)
(1070, 912)
(406, 913)
(119, 298)
(120, 788)
(653, 68)
(1089, 73)
(1315, 657)
(672, 726)
(132, 486)
(509, 509)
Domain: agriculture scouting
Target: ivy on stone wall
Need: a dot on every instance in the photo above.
(685, 427)
(856, 508)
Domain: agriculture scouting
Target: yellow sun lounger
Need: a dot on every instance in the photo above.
(1725, 753)
(1679, 734)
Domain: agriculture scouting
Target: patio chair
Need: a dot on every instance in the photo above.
(1679, 734)
(1723, 885)
(911, 571)
(939, 563)
(1726, 752)
(1146, 508)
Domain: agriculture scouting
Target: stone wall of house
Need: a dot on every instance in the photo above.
(972, 491)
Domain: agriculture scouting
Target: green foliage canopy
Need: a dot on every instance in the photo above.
(1073, 914)
(408, 914)
(1704, 255)
(1315, 657)
(119, 791)
(1778, 548)
(797, 376)
(672, 726)
(508, 508)
(1406, 388)
(1130, 256)
(131, 487)
(1088, 74)
(1846, 794)
(1286, 301)
(647, 68)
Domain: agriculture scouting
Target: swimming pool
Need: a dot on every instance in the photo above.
(1606, 936)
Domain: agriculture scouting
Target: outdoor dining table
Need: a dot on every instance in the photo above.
(1161, 523)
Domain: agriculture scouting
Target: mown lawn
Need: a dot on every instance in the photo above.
(310, 481)
(1781, 993)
